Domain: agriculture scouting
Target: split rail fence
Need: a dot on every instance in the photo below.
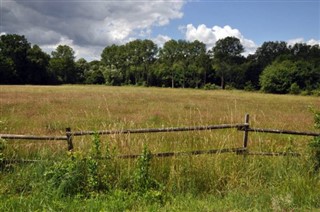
(245, 127)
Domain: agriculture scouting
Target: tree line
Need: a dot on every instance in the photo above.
(275, 67)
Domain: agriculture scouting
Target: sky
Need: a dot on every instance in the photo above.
(88, 26)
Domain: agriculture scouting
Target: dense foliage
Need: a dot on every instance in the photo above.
(275, 67)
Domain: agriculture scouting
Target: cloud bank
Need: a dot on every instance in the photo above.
(210, 36)
(301, 40)
(87, 26)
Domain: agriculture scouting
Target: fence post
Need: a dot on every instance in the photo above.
(69, 139)
(245, 136)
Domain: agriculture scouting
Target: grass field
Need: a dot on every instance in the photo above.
(226, 182)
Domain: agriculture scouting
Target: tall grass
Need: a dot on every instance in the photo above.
(186, 183)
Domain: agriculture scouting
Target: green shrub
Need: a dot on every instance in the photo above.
(315, 143)
(79, 175)
(289, 76)
(210, 86)
(294, 89)
(316, 92)
(2, 148)
(277, 77)
(144, 184)
(249, 86)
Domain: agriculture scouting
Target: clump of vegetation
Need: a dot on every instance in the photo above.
(79, 174)
(315, 143)
(2, 158)
(144, 183)
(88, 175)
(210, 86)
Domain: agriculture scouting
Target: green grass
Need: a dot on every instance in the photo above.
(222, 182)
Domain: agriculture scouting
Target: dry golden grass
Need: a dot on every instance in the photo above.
(48, 110)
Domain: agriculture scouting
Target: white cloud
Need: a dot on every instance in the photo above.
(301, 40)
(88, 24)
(87, 52)
(210, 36)
(161, 39)
(313, 42)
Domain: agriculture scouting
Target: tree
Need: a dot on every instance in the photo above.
(185, 63)
(62, 64)
(278, 77)
(140, 56)
(38, 62)
(116, 59)
(269, 51)
(8, 73)
(82, 66)
(95, 73)
(110, 56)
(199, 63)
(226, 56)
(168, 55)
(281, 76)
(13, 51)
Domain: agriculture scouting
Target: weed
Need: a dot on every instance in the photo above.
(315, 143)
(2, 157)
(146, 186)
(79, 175)
(96, 146)
(2, 148)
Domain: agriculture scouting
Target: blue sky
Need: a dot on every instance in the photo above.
(90, 26)
(257, 20)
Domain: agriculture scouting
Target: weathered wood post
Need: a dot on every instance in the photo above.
(245, 136)
(69, 139)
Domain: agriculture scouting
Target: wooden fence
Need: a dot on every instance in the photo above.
(245, 127)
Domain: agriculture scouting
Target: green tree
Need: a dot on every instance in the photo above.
(168, 55)
(226, 56)
(38, 62)
(62, 64)
(140, 56)
(82, 66)
(290, 76)
(278, 77)
(185, 64)
(269, 51)
(115, 58)
(8, 73)
(13, 51)
(95, 73)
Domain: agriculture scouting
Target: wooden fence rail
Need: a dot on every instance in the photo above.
(158, 130)
(32, 137)
(274, 131)
(240, 127)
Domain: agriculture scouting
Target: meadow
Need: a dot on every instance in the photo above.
(222, 182)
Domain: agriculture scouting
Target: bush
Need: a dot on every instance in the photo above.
(294, 89)
(2, 148)
(316, 92)
(249, 86)
(289, 76)
(315, 144)
(210, 86)
(144, 184)
(277, 78)
(79, 175)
